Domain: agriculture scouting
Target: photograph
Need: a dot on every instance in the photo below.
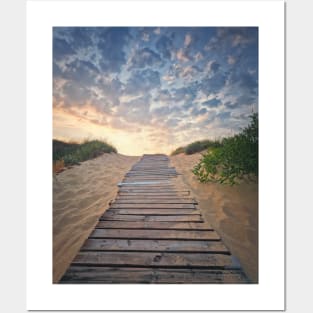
(155, 147)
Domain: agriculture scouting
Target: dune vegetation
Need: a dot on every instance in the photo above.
(234, 160)
(72, 153)
(197, 146)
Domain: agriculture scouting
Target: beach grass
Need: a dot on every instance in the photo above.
(71, 153)
(178, 151)
(201, 145)
(197, 146)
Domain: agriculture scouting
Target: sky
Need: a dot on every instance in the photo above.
(151, 90)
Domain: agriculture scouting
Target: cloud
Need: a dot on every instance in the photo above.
(189, 72)
(214, 66)
(76, 94)
(243, 86)
(162, 111)
(57, 72)
(214, 84)
(239, 39)
(223, 115)
(185, 83)
(157, 31)
(111, 90)
(187, 40)
(80, 71)
(213, 103)
(245, 99)
(61, 49)
(231, 60)
(248, 82)
(166, 111)
(172, 122)
(197, 112)
(184, 94)
(80, 37)
(198, 56)
(112, 42)
(163, 95)
(136, 111)
(228, 38)
(182, 56)
(164, 46)
(145, 57)
(145, 37)
(142, 81)
(169, 79)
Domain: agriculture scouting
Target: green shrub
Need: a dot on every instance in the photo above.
(202, 145)
(236, 158)
(73, 153)
(178, 151)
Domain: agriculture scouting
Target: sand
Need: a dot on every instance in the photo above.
(80, 196)
(231, 210)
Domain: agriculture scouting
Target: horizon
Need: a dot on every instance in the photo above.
(152, 90)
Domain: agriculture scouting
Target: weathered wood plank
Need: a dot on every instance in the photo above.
(153, 225)
(152, 189)
(153, 194)
(146, 184)
(151, 205)
(155, 188)
(162, 211)
(152, 197)
(154, 176)
(155, 234)
(125, 275)
(154, 245)
(154, 259)
(149, 218)
(155, 201)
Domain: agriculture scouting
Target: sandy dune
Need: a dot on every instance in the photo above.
(80, 196)
(82, 193)
(231, 210)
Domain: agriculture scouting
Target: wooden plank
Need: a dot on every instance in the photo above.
(155, 234)
(148, 218)
(152, 197)
(151, 205)
(154, 245)
(154, 259)
(153, 189)
(146, 184)
(149, 211)
(146, 188)
(153, 225)
(152, 194)
(155, 201)
(149, 172)
(164, 179)
(156, 174)
(124, 275)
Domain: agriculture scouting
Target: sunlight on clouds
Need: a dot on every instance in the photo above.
(151, 89)
(73, 125)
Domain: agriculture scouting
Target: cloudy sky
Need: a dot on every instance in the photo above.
(149, 90)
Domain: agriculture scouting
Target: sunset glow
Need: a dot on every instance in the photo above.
(150, 90)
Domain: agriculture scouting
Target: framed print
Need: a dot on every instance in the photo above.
(164, 125)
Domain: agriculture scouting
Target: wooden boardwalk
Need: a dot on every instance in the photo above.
(153, 233)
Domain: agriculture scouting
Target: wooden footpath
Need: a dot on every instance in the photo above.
(153, 232)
